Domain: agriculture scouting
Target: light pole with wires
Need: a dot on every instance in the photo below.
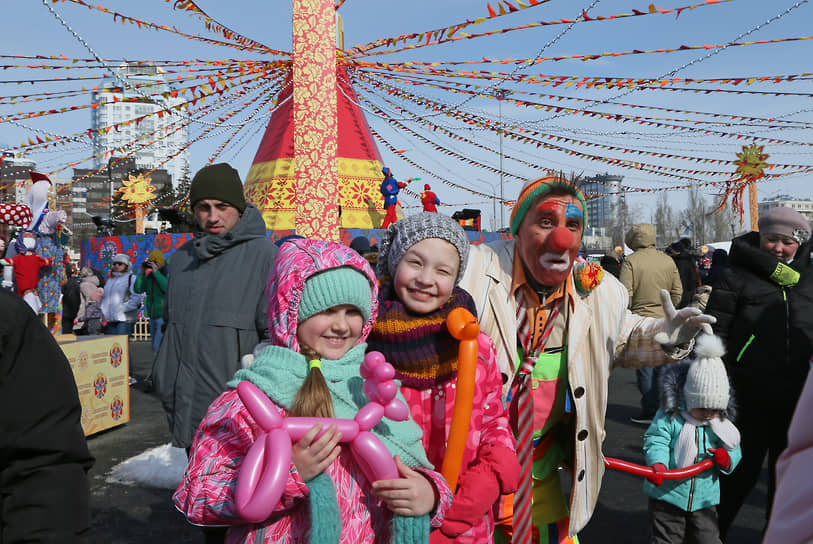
(493, 203)
(500, 94)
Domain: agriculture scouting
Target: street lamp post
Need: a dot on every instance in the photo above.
(500, 94)
(493, 204)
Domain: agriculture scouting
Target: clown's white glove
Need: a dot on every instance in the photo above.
(681, 326)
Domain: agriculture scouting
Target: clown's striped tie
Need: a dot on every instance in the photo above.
(523, 498)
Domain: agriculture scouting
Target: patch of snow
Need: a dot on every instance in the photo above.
(162, 466)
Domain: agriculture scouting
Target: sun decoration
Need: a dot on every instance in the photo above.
(751, 165)
(137, 189)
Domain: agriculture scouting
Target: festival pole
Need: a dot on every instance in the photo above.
(751, 165)
(753, 206)
(315, 119)
(138, 191)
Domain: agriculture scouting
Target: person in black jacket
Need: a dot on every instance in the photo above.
(719, 262)
(44, 458)
(686, 263)
(764, 308)
(71, 300)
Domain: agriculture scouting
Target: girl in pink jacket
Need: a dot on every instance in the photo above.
(322, 302)
(425, 256)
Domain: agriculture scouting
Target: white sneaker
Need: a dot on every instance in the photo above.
(133, 380)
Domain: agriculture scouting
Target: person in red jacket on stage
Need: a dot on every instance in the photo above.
(429, 199)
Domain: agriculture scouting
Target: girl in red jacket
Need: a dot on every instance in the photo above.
(425, 256)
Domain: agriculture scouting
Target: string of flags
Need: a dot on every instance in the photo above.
(227, 99)
(454, 33)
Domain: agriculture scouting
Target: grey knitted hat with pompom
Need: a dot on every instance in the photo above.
(407, 232)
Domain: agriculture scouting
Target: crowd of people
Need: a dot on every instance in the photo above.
(722, 350)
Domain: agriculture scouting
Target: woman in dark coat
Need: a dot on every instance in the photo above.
(764, 309)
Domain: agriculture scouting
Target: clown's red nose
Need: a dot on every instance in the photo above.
(560, 239)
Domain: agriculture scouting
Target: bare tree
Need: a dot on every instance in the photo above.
(724, 224)
(695, 217)
(667, 228)
(623, 217)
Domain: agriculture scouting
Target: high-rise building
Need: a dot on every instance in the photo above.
(601, 194)
(154, 141)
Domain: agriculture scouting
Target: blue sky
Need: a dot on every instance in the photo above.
(29, 27)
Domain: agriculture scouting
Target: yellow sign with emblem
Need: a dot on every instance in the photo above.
(100, 366)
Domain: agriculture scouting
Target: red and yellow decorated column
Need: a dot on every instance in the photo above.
(315, 119)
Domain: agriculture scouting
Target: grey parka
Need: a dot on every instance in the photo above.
(215, 313)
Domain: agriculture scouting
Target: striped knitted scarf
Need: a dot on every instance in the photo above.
(419, 347)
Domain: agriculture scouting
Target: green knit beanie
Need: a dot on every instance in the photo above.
(220, 182)
(333, 287)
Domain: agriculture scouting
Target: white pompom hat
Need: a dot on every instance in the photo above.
(707, 380)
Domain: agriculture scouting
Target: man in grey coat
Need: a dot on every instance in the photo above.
(215, 309)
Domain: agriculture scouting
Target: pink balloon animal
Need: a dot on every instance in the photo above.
(261, 478)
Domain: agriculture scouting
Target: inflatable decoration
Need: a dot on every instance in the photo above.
(463, 326)
(33, 214)
(42, 290)
(262, 476)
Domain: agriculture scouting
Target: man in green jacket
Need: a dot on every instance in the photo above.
(153, 281)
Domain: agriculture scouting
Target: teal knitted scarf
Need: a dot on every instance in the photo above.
(279, 372)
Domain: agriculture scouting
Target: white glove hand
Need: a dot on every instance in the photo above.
(682, 325)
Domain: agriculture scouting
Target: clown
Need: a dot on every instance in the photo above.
(390, 188)
(559, 327)
(429, 200)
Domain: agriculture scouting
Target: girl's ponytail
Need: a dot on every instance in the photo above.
(313, 398)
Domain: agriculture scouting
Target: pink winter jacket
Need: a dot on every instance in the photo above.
(227, 432)
(489, 427)
(206, 494)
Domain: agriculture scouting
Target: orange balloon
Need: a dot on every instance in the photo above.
(463, 326)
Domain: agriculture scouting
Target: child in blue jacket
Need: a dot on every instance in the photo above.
(692, 424)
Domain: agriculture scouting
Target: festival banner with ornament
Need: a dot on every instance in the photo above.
(751, 165)
(138, 191)
(100, 368)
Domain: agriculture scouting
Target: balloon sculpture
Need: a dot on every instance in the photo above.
(463, 326)
(262, 476)
(646, 472)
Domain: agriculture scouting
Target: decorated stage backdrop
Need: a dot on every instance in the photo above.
(98, 253)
